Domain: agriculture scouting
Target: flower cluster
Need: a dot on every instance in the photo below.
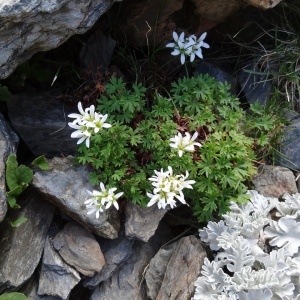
(261, 254)
(186, 143)
(102, 200)
(190, 46)
(86, 123)
(167, 187)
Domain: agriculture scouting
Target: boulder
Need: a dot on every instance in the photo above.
(57, 278)
(31, 26)
(182, 268)
(42, 123)
(274, 181)
(66, 186)
(126, 282)
(142, 222)
(78, 248)
(115, 253)
(8, 145)
(21, 248)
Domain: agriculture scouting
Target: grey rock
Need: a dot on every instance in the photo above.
(254, 86)
(219, 74)
(142, 222)
(78, 248)
(30, 290)
(57, 278)
(8, 144)
(66, 186)
(115, 253)
(182, 270)
(31, 26)
(96, 54)
(21, 248)
(127, 282)
(290, 144)
(42, 122)
(274, 181)
(156, 270)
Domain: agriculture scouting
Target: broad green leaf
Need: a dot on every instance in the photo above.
(13, 296)
(42, 163)
(25, 175)
(11, 173)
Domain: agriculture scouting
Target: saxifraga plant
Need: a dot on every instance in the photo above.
(137, 143)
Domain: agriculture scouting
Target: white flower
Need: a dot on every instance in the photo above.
(186, 143)
(83, 133)
(167, 187)
(190, 46)
(101, 200)
(87, 123)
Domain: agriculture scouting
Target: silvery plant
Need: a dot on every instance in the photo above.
(256, 251)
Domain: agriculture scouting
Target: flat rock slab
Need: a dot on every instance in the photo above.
(142, 222)
(21, 248)
(127, 282)
(57, 278)
(78, 248)
(66, 186)
(115, 253)
(31, 26)
(8, 144)
(42, 122)
(274, 181)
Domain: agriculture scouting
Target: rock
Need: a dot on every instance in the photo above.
(21, 248)
(8, 145)
(156, 270)
(182, 270)
(141, 222)
(126, 283)
(95, 55)
(78, 248)
(115, 253)
(31, 26)
(264, 3)
(57, 278)
(274, 181)
(42, 122)
(290, 144)
(220, 75)
(30, 291)
(254, 86)
(66, 186)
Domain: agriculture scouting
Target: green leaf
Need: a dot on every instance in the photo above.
(42, 163)
(11, 173)
(12, 202)
(17, 223)
(25, 175)
(4, 93)
(15, 192)
(13, 296)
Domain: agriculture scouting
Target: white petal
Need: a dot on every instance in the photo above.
(182, 58)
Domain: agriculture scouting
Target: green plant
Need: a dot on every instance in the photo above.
(137, 144)
(13, 296)
(18, 178)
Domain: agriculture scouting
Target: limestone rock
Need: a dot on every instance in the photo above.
(126, 283)
(141, 222)
(8, 144)
(31, 26)
(115, 253)
(66, 186)
(42, 122)
(274, 181)
(57, 278)
(21, 248)
(78, 248)
(182, 270)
